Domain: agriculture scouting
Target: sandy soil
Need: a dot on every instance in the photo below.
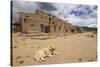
(74, 48)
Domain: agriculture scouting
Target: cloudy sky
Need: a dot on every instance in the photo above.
(78, 15)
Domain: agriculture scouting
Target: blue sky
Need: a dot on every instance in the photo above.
(77, 14)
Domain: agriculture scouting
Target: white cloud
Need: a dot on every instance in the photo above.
(77, 21)
(25, 6)
(63, 10)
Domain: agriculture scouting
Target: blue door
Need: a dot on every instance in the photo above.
(42, 28)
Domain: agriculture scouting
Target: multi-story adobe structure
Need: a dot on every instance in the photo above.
(40, 21)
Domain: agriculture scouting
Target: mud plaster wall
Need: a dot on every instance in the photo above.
(32, 22)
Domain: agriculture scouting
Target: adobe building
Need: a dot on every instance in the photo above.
(40, 21)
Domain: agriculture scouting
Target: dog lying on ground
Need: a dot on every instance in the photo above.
(45, 52)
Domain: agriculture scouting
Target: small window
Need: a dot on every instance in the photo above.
(54, 28)
(32, 25)
(41, 17)
(27, 16)
(25, 20)
(66, 30)
(53, 16)
(49, 19)
(59, 28)
(72, 30)
(53, 23)
(59, 20)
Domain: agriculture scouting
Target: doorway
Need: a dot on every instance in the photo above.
(42, 28)
(47, 29)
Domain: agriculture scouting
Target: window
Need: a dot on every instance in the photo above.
(32, 24)
(53, 23)
(59, 20)
(27, 16)
(49, 22)
(66, 30)
(54, 28)
(72, 30)
(59, 27)
(49, 19)
(41, 16)
(25, 20)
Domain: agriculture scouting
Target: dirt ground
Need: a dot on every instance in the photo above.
(72, 48)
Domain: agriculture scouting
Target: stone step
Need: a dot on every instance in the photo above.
(36, 34)
(39, 37)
